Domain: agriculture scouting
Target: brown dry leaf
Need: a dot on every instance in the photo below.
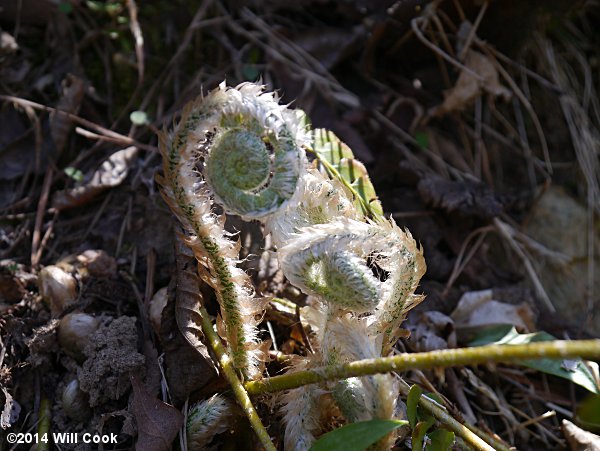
(189, 299)
(10, 412)
(430, 331)
(8, 45)
(467, 197)
(468, 87)
(560, 223)
(478, 309)
(17, 146)
(579, 439)
(98, 263)
(189, 365)
(12, 289)
(72, 96)
(330, 45)
(112, 172)
(42, 344)
(158, 423)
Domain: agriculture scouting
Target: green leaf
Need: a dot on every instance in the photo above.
(74, 173)
(356, 436)
(250, 72)
(412, 401)
(588, 414)
(574, 370)
(419, 431)
(422, 140)
(65, 7)
(336, 155)
(139, 118)
(250, 69)
(303, 119)
(441, 440)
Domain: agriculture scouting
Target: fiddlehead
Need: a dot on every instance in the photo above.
(403, 261)
(205, 159)
(356, 266)
(346, 339)
(206, 419)
(301, 414)
(318, 200)
(250, 147)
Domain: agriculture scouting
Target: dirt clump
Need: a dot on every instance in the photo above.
(111, 356)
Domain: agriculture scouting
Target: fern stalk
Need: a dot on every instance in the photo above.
(559, 349)
(229, 372)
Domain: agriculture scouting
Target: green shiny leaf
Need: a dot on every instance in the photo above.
(65, 7)
(419, 431)
(588, 414)
(574, 370)
(356, 436)
(412, 402)
(422, 140)
(441, 440)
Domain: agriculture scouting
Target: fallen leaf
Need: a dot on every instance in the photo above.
(478, 309)
(73, 89)
(468, 197)
(10, 412)
(158, 423)
(579, 439)
(189, 365)
(189, 301)
(12, 288)
(560, 224)
(112, 172)
(468, 87)
(17, 146)
(330, 45)
(8, 45)
(430, 331)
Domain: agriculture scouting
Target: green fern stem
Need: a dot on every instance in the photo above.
(562, 349)
(236, 385)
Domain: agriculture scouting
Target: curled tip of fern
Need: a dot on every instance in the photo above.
(248, 148)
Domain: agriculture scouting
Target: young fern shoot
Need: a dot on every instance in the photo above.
(206, 419)
(237, 148)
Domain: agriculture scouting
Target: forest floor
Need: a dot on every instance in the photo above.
(479, 124)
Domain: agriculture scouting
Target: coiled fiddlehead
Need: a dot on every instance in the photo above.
(318, 200)
(250, 147)
(239, 148)
(343, 263)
